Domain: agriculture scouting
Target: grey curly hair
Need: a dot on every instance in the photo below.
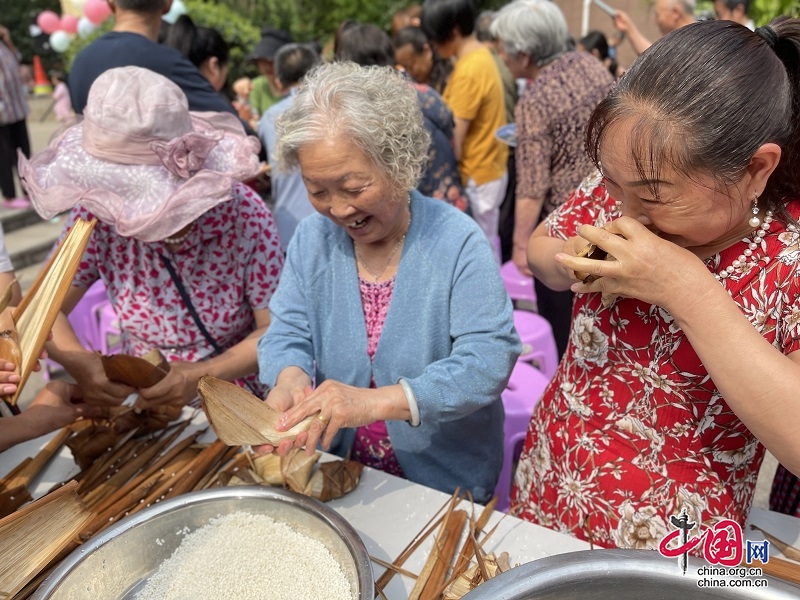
(372, 106)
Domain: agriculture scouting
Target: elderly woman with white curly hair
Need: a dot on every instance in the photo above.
(406, 331)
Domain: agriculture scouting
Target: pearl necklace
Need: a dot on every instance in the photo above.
(746, 260)
(174, 241)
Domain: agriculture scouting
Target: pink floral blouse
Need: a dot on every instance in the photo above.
(372, 445)
(229, 265)
(632, 429)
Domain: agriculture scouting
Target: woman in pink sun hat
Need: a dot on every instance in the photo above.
(189, 255)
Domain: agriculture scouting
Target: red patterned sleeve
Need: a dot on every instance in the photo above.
(589, 204)
(263, 249)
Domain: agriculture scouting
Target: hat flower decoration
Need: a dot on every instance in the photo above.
(140, 160)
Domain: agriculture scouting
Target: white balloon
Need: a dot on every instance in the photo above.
(85, 27)
(177, 9)
(60, 41)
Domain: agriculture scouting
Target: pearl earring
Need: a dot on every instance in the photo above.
(754, 220)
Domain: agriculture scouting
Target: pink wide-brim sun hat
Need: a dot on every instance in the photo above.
(139, 160)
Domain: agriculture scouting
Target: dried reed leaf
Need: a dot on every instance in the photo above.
(36, 313)
(334, 479)
(296, 468)
(239, 418)
(268, 467)
(135, 371)
(35, 534)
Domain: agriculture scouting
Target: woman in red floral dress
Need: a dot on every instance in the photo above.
(683, 358)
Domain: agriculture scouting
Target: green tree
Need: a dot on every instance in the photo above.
(18, 16)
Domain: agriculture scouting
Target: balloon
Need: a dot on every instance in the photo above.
(48, 21)
(69, 23)
(96, 11)
(177, 9)
(60, 41)
(85, 27)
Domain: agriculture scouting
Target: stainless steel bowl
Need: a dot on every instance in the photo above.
(619, 575)
(117, 563)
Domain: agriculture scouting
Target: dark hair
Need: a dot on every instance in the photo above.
(293, 61)
(365, 45)
(142, 6)
(440, 18)
(595, 40)
(704, 98)
(343, 26)
(441, 68)
(410, 35)
(56, 74)
(198, 44)
(731, 4)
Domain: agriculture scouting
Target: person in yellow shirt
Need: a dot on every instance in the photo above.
(475, 95)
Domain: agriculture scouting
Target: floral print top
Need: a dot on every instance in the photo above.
(441, 179)
(229, 265)
(632, 429)
(372, 445)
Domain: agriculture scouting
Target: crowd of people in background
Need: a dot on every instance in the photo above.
(435, 152)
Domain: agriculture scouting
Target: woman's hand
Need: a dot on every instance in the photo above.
(645, 267)
(53, 408)
(8, 378)
(96, 387)
(292, 387)
(179, 387)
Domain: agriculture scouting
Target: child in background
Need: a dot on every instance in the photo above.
(63, 105)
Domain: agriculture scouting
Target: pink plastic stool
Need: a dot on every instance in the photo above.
(519, 399)
(519, 286)
(538, 343)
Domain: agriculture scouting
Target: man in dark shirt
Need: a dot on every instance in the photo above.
(133, 43)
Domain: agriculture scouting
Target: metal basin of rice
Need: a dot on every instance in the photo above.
(621, 575)
(117, 563)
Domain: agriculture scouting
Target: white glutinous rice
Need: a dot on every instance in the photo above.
(247, 556)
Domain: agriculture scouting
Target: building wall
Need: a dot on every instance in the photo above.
(639, 10)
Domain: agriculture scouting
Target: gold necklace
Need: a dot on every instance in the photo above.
(399, 243)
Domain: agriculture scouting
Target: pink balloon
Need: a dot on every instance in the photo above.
(48, 21)
(69, 23)
(96, 11)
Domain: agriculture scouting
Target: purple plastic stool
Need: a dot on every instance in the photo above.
(108, 327)
(519, 286)
(538, 343)
(84, 317)
(519, 399)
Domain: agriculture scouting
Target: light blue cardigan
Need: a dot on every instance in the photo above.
(449, 332)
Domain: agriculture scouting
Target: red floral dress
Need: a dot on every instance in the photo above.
(372, 446)
(632, 429)
(229, 265)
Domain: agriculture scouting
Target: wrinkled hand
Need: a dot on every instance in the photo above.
(623, 22)
(282, 398)
(519, 256)
(179, 387)
(54, 408)
(647, 267)
(339, 405)
(96, 387)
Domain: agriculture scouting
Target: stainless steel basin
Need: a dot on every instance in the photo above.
(116, 564)
(622, 575)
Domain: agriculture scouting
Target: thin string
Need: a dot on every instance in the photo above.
(391, 254)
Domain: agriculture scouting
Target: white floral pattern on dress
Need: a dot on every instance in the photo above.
(632, 429)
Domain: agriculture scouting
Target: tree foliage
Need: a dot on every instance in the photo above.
(18, 16)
